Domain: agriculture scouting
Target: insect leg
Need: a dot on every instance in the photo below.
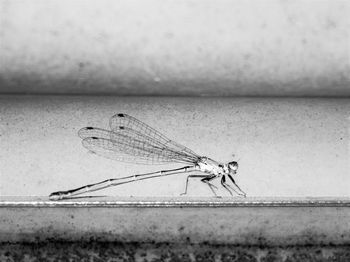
(211, 186)
(228, 187)
(187, 180)
(242, 193)
(223, 183)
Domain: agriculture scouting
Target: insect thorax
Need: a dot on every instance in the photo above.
(210, 166)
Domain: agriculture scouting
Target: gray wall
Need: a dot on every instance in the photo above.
(176, 47)
(285, 147)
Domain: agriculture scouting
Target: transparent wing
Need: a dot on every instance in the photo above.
(106, 148)
(130, 123)
(130, 147)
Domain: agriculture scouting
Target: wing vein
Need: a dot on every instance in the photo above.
(131, 140)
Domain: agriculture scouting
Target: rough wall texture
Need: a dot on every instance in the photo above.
(176, 47)
(167, 252)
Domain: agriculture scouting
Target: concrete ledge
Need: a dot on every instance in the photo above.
(166, 202)
(221, 221)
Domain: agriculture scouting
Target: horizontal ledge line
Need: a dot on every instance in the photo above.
(279, 95)
(174, 202)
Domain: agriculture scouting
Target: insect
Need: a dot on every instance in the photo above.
(131, 140)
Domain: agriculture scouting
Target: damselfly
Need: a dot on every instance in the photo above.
(131, 140)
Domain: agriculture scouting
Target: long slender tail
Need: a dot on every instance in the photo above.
(117, 181)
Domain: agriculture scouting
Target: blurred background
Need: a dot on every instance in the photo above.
(175, 48)
(267, 81)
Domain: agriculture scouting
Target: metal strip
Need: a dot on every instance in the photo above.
(174, 202)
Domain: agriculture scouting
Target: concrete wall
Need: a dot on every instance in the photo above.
(285, 147)
(176, 47)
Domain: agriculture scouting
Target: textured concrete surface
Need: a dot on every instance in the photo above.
(176, 47)
(164, 252)
(285, 147)
(264, 222)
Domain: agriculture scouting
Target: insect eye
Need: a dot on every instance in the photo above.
(233, 165)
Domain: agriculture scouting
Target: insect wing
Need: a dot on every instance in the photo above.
(130, 123)
(121, 147)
